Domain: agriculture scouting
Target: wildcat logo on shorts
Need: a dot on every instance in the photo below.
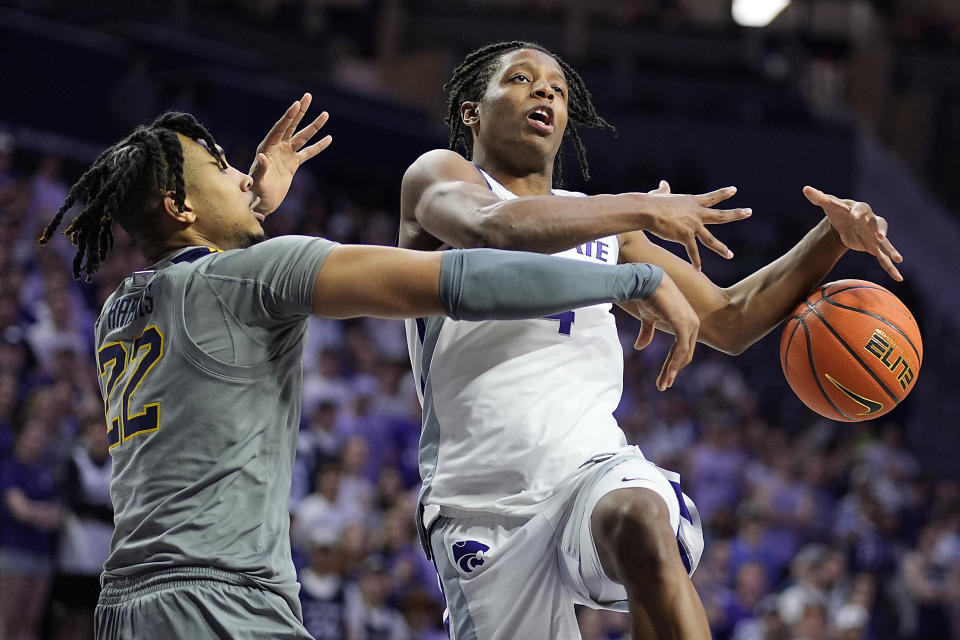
(468, 554)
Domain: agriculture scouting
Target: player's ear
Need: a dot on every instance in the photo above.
(169, 205)
(470, 113)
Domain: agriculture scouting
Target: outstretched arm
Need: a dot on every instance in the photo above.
(480, 284)
(733, 318)
(445, 196)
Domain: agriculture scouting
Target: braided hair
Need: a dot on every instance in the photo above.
(119, 185)
(469, 82)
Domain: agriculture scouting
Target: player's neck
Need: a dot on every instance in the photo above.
(176, 242)
(518, 181)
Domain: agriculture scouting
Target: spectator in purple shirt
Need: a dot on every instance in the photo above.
(29, 517)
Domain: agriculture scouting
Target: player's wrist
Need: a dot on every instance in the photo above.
(832, 235)
(645, 210)
(647, 279)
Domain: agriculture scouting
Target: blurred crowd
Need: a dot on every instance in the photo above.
(815, 530)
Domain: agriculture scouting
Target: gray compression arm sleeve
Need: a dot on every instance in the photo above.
(485, 284)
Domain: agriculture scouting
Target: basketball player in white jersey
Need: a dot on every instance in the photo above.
(532, 501)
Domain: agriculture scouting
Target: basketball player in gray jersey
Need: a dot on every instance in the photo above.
(199, 362)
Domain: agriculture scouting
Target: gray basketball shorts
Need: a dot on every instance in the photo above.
(199, 602)
(506, 577)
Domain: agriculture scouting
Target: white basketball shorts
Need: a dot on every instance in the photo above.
(506, 577)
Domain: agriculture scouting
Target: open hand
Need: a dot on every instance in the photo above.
(282, 152)
(668, 307)
(858, 228)
(682, 218)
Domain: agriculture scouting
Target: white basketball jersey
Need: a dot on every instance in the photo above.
(512, 407)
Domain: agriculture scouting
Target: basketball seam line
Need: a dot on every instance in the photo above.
(811, 307)
(916, 352)
(825, 297)
(856, 357)
(786, 351)
(855, 286)
(816, 378)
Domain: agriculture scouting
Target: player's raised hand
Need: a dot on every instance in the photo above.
(858, 227)
(282, 152)
(668, 307)
(682, 218)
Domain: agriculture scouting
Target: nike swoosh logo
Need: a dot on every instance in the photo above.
(629, 479)
(871, 406)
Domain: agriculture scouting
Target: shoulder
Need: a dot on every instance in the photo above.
(285, 263)
(440, 165)
(279, 249)
(292, 243)
(439, 159)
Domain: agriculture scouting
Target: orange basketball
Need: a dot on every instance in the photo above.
(851, 351)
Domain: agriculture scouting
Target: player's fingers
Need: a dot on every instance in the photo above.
(712, 198)
(686, 343)
(880, 232)
(679, 356)
(261, 165)
(821, 199)
(305, 101)
(723, 216)
(691, 346)
(663, 188)
(314, 149)
(647, 329)
(303, 136)
(888, 247)
(298, 116)
(710, 241)
(276, 132)
(815, 196)
(889, 267)
(663, 380)
(694, 252)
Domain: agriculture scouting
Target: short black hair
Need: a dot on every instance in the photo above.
(119, 184)
(469, 81)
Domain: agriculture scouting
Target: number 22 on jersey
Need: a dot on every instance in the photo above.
(124, 372)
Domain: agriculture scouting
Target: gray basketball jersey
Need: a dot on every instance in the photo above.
(199, 363)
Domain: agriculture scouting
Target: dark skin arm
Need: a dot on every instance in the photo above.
(446, 201)
(385, 282)
(733, 318)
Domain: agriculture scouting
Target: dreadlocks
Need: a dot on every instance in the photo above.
(469, 81)
(120, 183)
